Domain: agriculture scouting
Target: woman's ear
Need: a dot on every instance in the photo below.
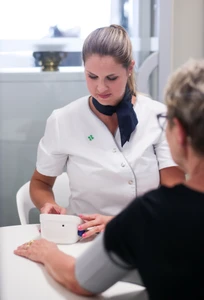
(131, 66)
(180, 132)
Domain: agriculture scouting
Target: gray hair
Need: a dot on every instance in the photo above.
(184, 96)
(113, 41)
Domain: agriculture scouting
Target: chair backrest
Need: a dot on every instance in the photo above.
(24, 203)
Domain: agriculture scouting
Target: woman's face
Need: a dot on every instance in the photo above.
(106, 79)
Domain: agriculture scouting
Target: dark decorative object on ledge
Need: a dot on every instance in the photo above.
(51, 51)
(49, 60)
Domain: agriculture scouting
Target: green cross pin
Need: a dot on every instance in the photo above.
(90, 137)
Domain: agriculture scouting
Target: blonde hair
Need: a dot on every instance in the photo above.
(113, 41)
(184, 96)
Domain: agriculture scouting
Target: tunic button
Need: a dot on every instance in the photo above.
(130, 181)
(122, 165)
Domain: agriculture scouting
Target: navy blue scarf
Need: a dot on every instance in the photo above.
(127, 119)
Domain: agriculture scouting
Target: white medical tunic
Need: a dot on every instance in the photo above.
(103, 176)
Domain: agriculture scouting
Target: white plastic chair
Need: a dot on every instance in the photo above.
(24, 203)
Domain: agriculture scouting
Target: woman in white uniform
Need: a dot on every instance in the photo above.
(159, 233)
(109, 142)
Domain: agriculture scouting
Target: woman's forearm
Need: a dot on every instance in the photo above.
(62, 268)
(41, 189)
(41, 193)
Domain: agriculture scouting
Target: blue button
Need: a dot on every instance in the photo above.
(81, 232)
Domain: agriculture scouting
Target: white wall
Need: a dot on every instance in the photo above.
(27, 98)
(187, 31)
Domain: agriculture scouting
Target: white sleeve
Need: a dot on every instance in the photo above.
(50, 161)
(163, 153)
(96, 270)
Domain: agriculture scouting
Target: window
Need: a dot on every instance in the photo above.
(26, 21)
(24, 25)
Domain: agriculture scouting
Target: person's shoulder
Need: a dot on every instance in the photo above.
(164, 192)
(154, 195)
(146, 103)
(164, 195)
(157, 198)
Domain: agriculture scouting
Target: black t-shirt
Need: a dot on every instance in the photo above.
(162, 235)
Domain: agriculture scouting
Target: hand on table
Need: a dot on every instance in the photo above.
(36, 250)
(95, 222)
(49, 208)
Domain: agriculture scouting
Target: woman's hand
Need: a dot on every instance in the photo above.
(58, 264)
(49, 208)
(37, 250)
(95, 222)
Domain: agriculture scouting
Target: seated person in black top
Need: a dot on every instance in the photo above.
(161, 233)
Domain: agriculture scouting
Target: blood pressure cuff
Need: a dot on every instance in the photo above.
(96, 269)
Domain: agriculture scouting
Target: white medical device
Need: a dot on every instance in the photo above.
(60, 229)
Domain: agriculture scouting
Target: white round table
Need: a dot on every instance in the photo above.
(23, 279)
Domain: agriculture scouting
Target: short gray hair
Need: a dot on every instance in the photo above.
(184, 96)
